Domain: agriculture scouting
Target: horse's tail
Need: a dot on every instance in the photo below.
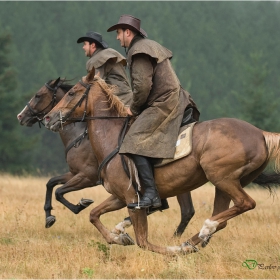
(267, 180)
(272, 141)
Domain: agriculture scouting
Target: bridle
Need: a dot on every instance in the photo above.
(64, 119)
(40, 115)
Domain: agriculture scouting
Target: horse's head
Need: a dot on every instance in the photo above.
(72, 105)
(42, 102)
(89, 97)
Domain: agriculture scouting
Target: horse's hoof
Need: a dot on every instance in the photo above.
(205, 242)
(86, 202)
(50, 221)
(126, 239)
(187, 248)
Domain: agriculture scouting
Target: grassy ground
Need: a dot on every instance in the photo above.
(73, 248)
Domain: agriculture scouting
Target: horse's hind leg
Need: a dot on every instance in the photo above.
(62, 179)
(187, 212)
(78, 182)
(221, 203)
(242, 203)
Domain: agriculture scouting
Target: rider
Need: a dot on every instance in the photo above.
(109, 63)
(158, 102)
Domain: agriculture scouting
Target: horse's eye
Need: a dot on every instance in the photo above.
(71, 93)
(37, 96)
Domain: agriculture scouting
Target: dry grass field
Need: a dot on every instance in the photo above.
(73, 248)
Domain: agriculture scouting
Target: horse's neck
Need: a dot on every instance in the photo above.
(71, 132)
(104, 135)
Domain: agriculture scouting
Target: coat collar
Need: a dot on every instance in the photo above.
(96, 52)
(135, 39)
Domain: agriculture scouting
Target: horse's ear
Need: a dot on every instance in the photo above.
(90, 75)
(56, 82)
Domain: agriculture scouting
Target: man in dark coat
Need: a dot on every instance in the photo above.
(158, 103)
(109, 63)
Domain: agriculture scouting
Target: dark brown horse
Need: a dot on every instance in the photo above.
(79, 157)
(229, 153)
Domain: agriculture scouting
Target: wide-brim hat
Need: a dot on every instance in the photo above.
(93, 37)
(129, 22)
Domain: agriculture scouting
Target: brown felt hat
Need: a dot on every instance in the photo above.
(129, 22)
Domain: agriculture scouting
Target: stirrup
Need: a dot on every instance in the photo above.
(141, 204)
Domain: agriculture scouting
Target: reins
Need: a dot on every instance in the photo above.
(76, 142)
(114, 152)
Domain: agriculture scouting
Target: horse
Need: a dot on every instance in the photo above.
(79, 157)
(229, 153)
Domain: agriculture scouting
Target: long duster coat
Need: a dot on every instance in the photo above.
(158, 101)
(111, 67)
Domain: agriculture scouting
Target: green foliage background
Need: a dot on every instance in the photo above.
(226, 54)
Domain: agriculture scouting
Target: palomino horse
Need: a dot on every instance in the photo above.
(229, 153)
(79, 156)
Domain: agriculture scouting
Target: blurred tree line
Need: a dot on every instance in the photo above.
(226, 54)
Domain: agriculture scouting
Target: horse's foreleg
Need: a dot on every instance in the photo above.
(187, 212)
(62, 179)
(140, 225)
(120, 227)
(112, 237)
(78, 182)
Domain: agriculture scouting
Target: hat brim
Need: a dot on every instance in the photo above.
(88, 39)
(122, 25)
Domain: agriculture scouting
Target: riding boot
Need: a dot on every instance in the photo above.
(146, 176)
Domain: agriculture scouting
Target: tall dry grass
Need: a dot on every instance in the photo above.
(73, 248)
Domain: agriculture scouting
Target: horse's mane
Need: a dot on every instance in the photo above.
(113, 100)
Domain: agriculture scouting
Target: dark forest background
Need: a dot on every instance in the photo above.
(226, 54)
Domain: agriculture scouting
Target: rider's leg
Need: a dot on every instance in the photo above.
(146, 176)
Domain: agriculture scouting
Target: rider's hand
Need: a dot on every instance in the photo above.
(128, 111)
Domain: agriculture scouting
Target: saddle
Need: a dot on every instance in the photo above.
(183, 144)
(184, 140)
(188, 117)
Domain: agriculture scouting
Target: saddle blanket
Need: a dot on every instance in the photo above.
(183, 145)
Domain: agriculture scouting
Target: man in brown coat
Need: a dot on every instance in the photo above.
(158, 104)
(109, 63)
